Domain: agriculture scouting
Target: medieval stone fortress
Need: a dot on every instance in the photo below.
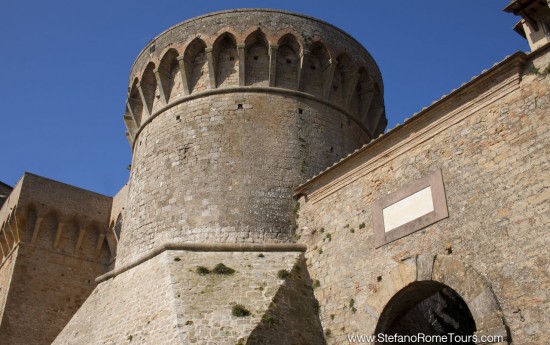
(222, 236)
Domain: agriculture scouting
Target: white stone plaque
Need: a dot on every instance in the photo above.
(408, 209)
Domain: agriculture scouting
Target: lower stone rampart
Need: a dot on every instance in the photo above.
(171, 299)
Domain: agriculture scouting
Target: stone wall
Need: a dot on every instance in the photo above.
(6, 274)
(197, 176)
(491, 140)
(166, 300)
(45, 289)
(53, 245)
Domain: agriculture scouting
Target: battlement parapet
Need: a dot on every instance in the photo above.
(58, 217)
(256, 51)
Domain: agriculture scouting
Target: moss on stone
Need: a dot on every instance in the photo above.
(222, 269)
(202, 270)
(239, 310)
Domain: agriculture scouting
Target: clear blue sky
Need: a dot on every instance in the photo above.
(65, 68)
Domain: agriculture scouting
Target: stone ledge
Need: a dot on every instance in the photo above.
(204, 247)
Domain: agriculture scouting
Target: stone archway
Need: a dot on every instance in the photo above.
(418, 279)
(429, 308)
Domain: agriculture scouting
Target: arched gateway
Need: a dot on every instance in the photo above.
(437, 300)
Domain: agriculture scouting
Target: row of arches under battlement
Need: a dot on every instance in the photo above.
(283, 62)
(50, 229)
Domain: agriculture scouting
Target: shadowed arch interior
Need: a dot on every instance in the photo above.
(48, 230)
(226, 60)
(149, 86)
(363, 95)
(376, 121)
(118, 226)
(196, 66)
(287, 62)
(430, 308)
(30, 221)
(136, 105)
(69, 236)
(318, 62)
(89, 242)
(169, 73)
(257, 59)
(342, 78)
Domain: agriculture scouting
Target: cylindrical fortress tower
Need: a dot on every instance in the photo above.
(228, 112)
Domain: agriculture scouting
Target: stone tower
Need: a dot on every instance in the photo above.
(227, 113)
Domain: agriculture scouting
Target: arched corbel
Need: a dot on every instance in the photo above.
(273, 48)
(81, 233)
(242, 63)
(367, 101)
(112, 241)
(304, 59)
(211, 67)
(328, 77)
(130, 123)
(130, 102)
(36, 229)
(375, 115)
(60, 227)
(349, 91)
(157, 73)
(100, 240)
(143, 100)
(13, 228)
(183, 73)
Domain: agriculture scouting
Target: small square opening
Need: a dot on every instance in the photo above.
(231, 58)
(288, 61)
(300, 111)
(255, 58)
(239, 106)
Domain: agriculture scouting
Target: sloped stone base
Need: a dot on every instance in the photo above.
(166, 301)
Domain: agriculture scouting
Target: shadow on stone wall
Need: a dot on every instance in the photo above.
(293, 315)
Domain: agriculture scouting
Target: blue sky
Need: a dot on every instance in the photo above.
(65, 67)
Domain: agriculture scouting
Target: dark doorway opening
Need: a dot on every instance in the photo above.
(430, 310)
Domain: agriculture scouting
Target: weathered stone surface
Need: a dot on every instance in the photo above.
(196, 176)
(491, 141)
(53, 245)
(165, 300)
(424, 264)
